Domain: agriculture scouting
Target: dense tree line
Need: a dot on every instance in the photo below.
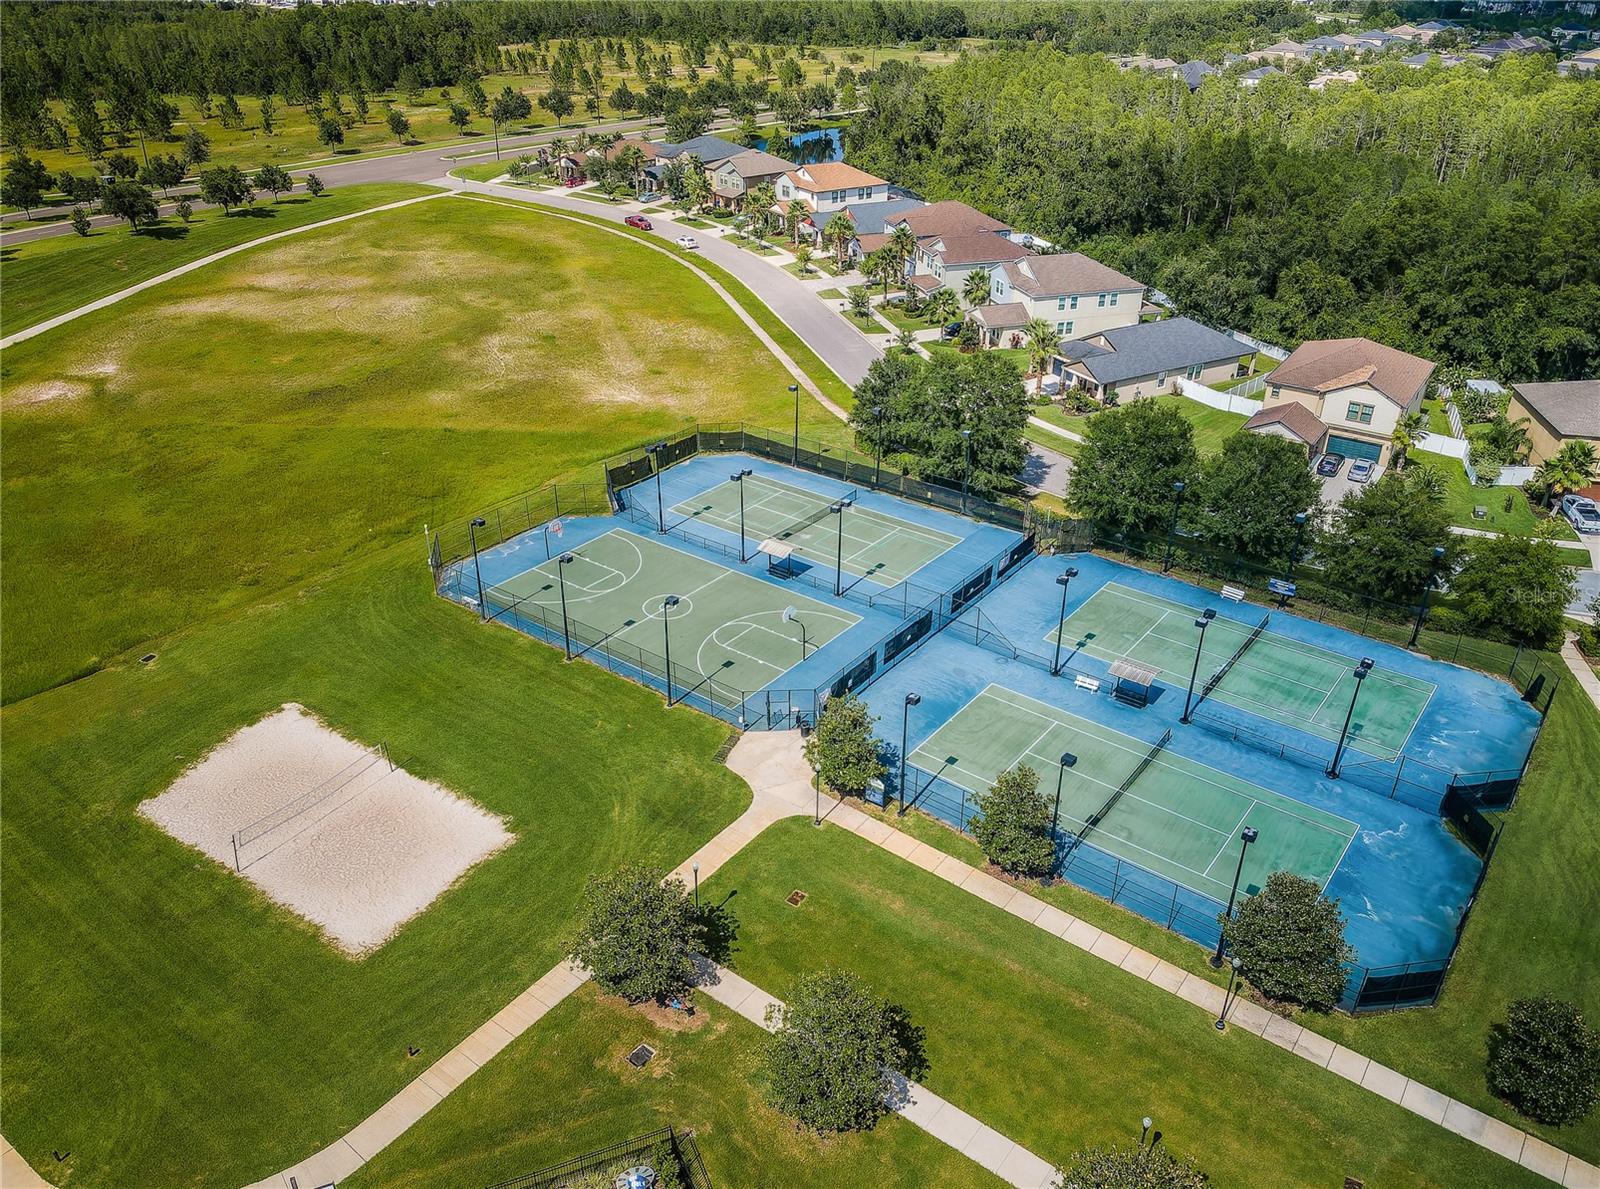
(1452, 213)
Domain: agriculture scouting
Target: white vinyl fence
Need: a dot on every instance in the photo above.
(1232, 401)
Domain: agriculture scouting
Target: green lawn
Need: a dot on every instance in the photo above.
(1057, 1049)
(179, 454)
(484, 171)
(1461, 497)
(1212, 427)
(1438, 419)
(46, 277)
(904, 321)
(1051, 441)
(564, 1088)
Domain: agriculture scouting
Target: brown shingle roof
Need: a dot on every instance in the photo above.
(1069, 272)
(1294, 417)
(832, 175)
(949, 218)
(755, 163)
(982, 247)
(1002, 315)
(1572, 407)
(1323, 365)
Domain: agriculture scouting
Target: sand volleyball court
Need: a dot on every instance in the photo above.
(326, 827)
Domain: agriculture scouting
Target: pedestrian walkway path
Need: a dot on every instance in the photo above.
(15, 1172)
(1041, 423)
(1586, 677)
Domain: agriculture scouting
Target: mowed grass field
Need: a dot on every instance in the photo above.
(46, 277)
(248, 426)
(565, 1087)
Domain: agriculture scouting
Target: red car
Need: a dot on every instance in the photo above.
(571, 182)
(638, 221)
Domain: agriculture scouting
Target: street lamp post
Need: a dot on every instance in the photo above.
(472, 531)
(739, 477)
(1172, 531)
(661, 513)
(1360, 674)
(667, 604)
(1229, 997)
(905, 723)
(1246, 837)
(1062, 579)
(695, 867)
(1294, 558)
(1202, 623)
(561, 577)
(838, 562)
(794, 390)
(966, 469)
(1147, 1123)
(1067, 761)
(1422, 609)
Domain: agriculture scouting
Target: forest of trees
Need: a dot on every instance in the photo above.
(1452, 213)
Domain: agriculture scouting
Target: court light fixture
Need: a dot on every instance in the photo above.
(562, 563)
(912, 699)
(472, 532)
(1246, 837)
(667, 604)
(1360, 674)
(1062, 579)
(1202, 623)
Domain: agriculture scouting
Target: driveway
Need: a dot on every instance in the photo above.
(1335, 489)
(1046, 470)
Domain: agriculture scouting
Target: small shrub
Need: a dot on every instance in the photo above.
(1545, 1060)
(80, 220)
(1013, 824)
(1290, 942)
(1130, 1168)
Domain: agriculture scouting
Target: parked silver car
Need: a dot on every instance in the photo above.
(1581, 513)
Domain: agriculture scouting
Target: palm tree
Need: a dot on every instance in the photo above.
(942, 306)
(802, 257)
(762, 199)
(1507, 439)
(879, 265)
(1566, 470)
(1042, 343)
(975, 289)
(1409, 430)
(1426, 482)
(792, 215)
(906, 340)
(904, 246)
(837, 234)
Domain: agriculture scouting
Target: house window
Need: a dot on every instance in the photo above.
(836, 196)
(1102, 301)
(1193, 373)
(1061, 304)
(1276, 392)
(863, 193)
(1161, 379)
(1114, 299)
(1061, 327)
(1359, 412)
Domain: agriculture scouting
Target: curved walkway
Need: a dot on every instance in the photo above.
(121, 294)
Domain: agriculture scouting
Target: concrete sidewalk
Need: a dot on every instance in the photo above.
(1585, 676)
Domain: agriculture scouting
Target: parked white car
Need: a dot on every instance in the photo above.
(1050, 385)
(1581, 513)
(688, 243)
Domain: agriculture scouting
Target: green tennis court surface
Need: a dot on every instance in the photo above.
(727, 625)
(1179, 819)
(1288, 681)
(876, 545)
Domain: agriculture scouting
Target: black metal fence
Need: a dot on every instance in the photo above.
(653, 1148)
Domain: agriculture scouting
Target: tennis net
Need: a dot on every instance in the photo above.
(1111, 802)
(1222, 670)
(806, 521)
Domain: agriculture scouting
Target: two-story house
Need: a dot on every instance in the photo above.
(732, 179)
(1076, 294)
(953, 240)
(1356, 387)
(826, 189)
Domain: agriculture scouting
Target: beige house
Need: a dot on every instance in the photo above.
(1281, 52)
(1147, 359)
(1076, 294)
(1559, 412)
(1293, 421)
(746, 171)
(1356, 387)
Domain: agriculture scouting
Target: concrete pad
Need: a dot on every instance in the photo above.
(1581, 1174)
(1025, 1170)
(555, 984)
(953, 1126)
(1054, 922)
(872, 830)
(381, 1128)
(728, 989)
(1543, 1159)
(1383, 1081)
(1283, 1033)
(522, 1013)
(1199, 992)
(1166, 976)
(900, 844)
(988, 1148)
(1081, 934)
(951, 869)
(1484, 1130)
(1314, 1047)
(1428, 1103)
(1111, 949)
(1348, 1063)
(987, 888)
(1028, 908)
(1251, 1017)
(920, 1105)
(449, 1071)
(329, 1166)
(1137, 962)
(485, 1042)
(14, 1170)
(926, 857)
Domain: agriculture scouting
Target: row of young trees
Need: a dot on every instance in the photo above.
(1453, 214)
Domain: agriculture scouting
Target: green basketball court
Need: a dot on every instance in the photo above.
(1286, 680)
(726, 626)
(876, 545)
(1179, 818)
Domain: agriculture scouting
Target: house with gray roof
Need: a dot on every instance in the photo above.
(1147, 358)
(1075, 293)
(1558, 412)
(1252, 78)
(1193, 73)
(735, 177)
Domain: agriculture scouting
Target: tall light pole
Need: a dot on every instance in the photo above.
(1202, 623)
(739, 477)
(905, 723)
(794, 390)
(877, 445)
(561, 577)
(838, 563)
(1360, 675)
(667, 604)
(1067, 761)
(661, 514)
(966, 469)
(472, 531)
(1229, 997)
(1422, 608)
(1172, 530)
(1062, 579)
(1294, 558)
(695, 867)
(1246, 837)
